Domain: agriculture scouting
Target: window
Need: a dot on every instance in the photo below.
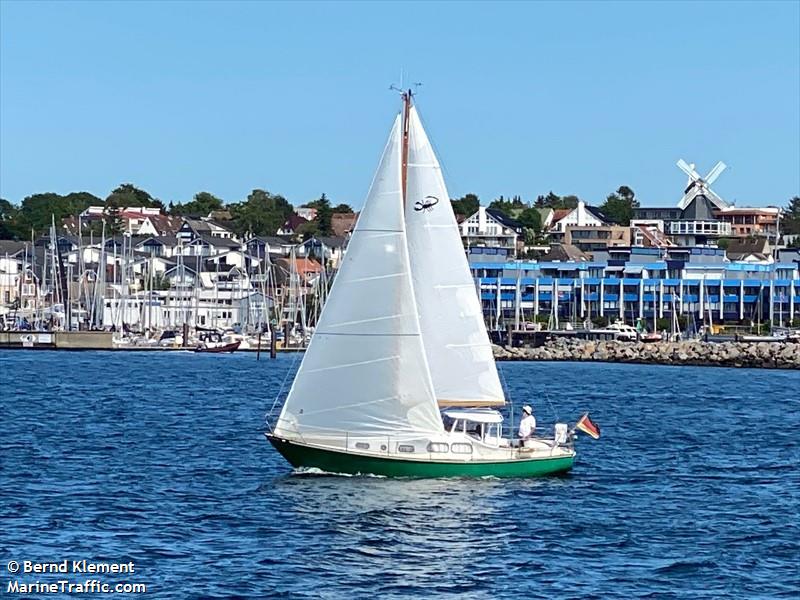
(438, 447)
(461, 448)
(362, 445)
(405, 448)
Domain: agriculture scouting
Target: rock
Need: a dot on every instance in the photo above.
(733, 354)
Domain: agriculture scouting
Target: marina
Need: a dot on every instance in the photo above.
(692, 293)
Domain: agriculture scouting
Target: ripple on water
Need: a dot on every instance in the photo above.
(693, 490)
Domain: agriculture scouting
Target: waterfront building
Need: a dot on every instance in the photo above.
(696, 224)
(134, 220)
(590, 238)
(327, 249)
(490, 228)
(309, 214)
(750, 250)
(750, 221)
(192, 229)
(162, 245)
(582, 216)
(292, 225)
(699, 284)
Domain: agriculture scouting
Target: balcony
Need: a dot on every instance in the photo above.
(712, 228)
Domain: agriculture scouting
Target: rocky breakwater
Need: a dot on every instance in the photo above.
(727, 354)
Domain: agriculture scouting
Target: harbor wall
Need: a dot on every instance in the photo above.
(58, 340)
(769, 355)
(84, 340)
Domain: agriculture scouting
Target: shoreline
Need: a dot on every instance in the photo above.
(759, 355)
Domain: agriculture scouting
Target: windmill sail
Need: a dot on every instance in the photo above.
(365, 372)
(454, 334)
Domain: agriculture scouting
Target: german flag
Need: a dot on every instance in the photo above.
(585, 425)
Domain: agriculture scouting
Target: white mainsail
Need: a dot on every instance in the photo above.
(454, 335)
(365, 372)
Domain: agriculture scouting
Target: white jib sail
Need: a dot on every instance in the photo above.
(364, 373)
(454, 335)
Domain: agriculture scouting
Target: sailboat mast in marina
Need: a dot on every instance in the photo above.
(399, 377)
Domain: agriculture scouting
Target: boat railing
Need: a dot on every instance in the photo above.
(405, 446)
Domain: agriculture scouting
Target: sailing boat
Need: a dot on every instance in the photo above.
(399, 377)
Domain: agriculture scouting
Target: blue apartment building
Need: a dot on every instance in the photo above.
(633, 283)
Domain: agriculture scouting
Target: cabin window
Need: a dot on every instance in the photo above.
(438, 447)
(362, 445)
(461, 448)
(405, 448)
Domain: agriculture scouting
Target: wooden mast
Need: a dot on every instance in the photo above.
(406, 110)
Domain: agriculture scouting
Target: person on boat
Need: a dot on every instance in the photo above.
(527, 425)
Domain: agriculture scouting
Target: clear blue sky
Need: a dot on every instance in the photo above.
(518, 98)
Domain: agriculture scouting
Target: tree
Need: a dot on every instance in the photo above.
(530, 219)
(202, 204)
(466, 205)
(570, 201)
(9, 221)
(343, 208)
(307, 230)
(316, 203)
(619, 206)
(510, 208)
(555, 201)
(324, 216)
(790, 222)
(127, 195)
(262, 213)
(38, 210)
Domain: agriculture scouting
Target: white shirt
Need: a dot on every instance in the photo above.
(527, 426)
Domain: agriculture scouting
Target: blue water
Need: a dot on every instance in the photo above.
(158, 458)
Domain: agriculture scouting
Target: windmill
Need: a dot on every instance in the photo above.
(699, 186)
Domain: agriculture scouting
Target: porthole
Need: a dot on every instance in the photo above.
(438, 447)
(362, 445)
(405, 448)
(461, 448)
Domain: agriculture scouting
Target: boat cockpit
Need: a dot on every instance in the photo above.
(482, 424)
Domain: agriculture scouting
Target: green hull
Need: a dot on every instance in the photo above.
(333, 461)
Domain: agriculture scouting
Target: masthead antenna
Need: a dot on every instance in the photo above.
(402, 91)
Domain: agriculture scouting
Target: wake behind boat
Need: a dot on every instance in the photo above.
(401, 338)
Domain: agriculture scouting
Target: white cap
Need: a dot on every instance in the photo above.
(527, 409)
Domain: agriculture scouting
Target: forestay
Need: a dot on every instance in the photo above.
(365, 373)
(454, 334)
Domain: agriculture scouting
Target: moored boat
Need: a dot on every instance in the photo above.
(218, 349)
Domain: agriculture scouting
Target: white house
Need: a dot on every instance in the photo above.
(492, 229)
(580, 216)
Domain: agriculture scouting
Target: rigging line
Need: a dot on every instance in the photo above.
(506, 389)
(446, 173)
(289, 371)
